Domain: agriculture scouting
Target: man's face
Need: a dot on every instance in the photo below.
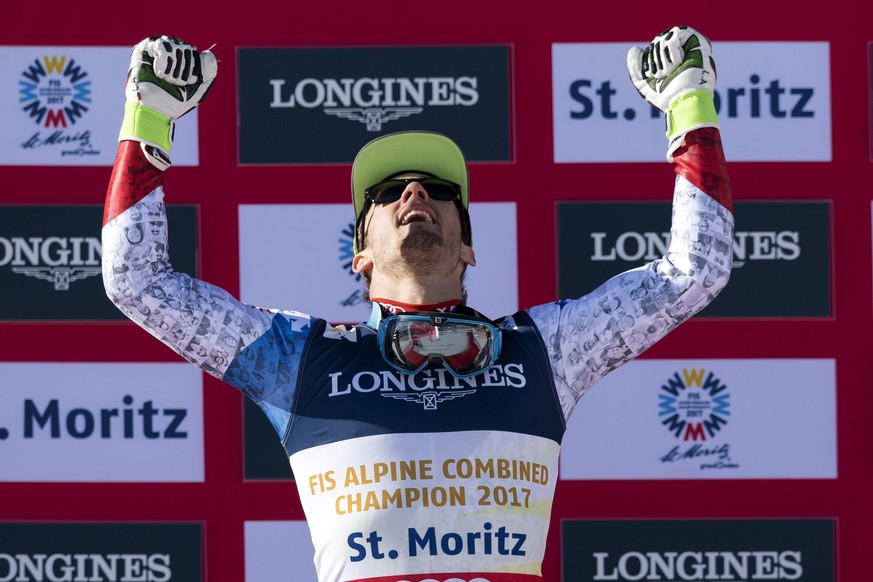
(414, 230)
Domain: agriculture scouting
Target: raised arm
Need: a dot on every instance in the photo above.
(591, 336)
(204, 324)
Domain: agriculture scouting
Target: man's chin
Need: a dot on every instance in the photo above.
(420, 240)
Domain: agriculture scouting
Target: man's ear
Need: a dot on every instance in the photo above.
(468, 256)
(362, 262)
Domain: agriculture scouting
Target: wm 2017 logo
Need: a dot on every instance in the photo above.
(694, 404)
(346, 254)
(55, 91)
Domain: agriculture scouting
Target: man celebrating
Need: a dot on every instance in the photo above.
(461, 484)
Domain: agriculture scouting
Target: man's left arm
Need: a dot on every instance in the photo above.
(593, 335)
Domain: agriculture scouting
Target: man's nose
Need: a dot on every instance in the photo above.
(414, 189)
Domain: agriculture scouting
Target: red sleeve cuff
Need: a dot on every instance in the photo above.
(700, 160)
(133, 177)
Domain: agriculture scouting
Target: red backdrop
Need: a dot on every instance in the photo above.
(224, 500)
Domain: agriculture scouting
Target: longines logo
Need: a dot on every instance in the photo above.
(51, 260)
(290, 98)
(100, 552)
(709, 566)
(647, 246)
(430, 387)
(375, 102)
(699, 550)
(55, 91)
(103, 567)
(694, 406)
(58, 260)
(430, 400)
(784, 245)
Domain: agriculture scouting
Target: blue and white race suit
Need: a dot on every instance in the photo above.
(425, 476)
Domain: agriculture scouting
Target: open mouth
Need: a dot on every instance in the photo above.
(415, 216)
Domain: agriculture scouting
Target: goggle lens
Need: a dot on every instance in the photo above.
(465, 347)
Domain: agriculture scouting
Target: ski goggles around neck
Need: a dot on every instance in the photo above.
(466, 345)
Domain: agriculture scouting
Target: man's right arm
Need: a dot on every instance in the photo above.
(238, 343)
(202, 323)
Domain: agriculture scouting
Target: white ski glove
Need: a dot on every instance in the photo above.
(167, 79)
(676, 74)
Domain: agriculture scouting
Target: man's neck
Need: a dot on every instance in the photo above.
(417, 290)
(393, 306)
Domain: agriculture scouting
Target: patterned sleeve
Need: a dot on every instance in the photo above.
(588, 337)
(201, 322)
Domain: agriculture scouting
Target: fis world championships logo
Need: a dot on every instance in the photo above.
(55, 91)
(346, 254)
(694, 406)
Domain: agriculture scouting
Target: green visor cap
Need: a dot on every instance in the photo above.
(408, 151)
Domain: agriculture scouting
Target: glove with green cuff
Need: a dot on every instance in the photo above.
(676, 74)
(167, 79)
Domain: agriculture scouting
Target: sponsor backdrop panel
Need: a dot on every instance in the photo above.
(783, 247)
(98, 422)
(705, 550)
(275, 548)
(50, 259)
(68, 107)
(264, 456)
(559, 109)
(299, 256)
(290, 99)
(707, 419)
(773, 100)
(870, 96)
(101, 551)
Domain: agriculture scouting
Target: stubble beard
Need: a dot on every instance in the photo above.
(420, 253)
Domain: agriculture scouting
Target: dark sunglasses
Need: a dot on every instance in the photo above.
(391, 190)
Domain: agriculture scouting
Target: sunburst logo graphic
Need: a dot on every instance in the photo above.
(346, 255)
(55, 91)
(346, 252)
(694, 404)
